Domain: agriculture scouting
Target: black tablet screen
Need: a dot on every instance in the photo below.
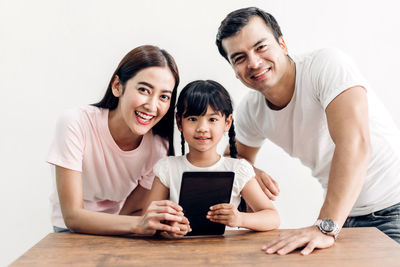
(199, 191)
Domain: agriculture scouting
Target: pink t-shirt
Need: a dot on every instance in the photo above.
(83, 143)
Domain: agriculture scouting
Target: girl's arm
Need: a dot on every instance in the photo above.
(78, 219)
(265, 217)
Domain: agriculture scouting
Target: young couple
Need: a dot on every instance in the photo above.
(317, 107)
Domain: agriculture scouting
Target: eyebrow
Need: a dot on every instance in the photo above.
(238, 53)
(152, 87)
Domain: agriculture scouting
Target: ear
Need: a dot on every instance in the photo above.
(178, 123)
(283, 45)
(228, 123)
(116, 87)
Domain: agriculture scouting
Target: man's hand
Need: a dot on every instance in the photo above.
(309, 237)
(226, 214)
(267, 184)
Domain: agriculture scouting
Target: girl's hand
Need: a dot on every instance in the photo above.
(157, 213)
(184, 229)
(226, 214)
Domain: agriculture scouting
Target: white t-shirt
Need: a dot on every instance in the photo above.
(301, 127)
(170, 169)
(83, 143)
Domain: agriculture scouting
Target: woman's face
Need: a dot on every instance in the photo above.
(144, 99)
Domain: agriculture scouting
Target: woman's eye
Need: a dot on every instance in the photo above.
(165, 97)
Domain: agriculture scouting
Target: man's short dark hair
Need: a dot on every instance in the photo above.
(237, 19)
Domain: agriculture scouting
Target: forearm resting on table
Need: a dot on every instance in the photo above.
(91, 222)
(347, 174)
(262, 220)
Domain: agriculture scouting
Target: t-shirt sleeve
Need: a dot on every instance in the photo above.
(246, 129)
(161, 171)
(159, 153)
(244, 172)
(69, 142)
(334, 72)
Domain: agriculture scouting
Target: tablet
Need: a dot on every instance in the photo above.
(199, 191)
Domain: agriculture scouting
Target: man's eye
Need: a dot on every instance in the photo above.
(262, 47)
(238, 59)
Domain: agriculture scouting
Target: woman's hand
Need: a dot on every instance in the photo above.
(226, 214)
(161, 215)
(184, 229)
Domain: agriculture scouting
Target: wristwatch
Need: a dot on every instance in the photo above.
(328, 227)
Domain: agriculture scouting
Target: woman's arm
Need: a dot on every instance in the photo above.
(265, 217)
(76, 218)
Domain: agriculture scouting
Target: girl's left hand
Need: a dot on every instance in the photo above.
(226, 214)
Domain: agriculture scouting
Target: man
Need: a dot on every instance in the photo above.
(319, 109)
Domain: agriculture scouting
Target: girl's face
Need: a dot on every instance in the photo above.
(203, 133)
(145, 100)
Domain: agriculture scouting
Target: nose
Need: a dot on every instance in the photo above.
(254, 61)
(151, 104)
(202, 126)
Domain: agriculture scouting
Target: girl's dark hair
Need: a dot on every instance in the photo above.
(136, 60)
(197, 96)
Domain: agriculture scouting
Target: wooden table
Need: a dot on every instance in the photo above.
(354, 247)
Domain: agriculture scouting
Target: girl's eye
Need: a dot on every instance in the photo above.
(165, 98)
(192, 119)
(213, 119)
(144, 90)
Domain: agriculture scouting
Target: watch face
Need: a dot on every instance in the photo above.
(327, 225)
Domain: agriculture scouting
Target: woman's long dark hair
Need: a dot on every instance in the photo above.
(197, 96)
(136, 60)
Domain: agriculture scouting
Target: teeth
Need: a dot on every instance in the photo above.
(261, 73)
(144, 116)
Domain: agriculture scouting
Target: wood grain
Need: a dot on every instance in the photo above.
(355, 247)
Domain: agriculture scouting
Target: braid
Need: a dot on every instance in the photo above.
(232, 142)
(182, 144)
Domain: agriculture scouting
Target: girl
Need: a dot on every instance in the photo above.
(204, 113)
(105, 152)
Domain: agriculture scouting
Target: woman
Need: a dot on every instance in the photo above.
(104, 153)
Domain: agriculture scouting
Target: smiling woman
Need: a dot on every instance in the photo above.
(104, 153)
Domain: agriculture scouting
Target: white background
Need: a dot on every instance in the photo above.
(56, 55)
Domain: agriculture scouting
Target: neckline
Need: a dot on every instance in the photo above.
(110, 140)
(215, 165)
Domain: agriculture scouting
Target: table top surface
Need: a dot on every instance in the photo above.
(354, 247)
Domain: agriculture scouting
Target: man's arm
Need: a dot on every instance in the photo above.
(347, 117)
(267, 184)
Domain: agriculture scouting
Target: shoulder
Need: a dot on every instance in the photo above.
(238, 164)
(170, 161)
(158, 140)
(80, 114)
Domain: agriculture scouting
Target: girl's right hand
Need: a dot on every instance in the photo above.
(158, 212)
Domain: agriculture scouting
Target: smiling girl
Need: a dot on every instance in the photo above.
(104, 154)
(204, 114)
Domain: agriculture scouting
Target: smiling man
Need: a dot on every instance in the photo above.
(318, 108)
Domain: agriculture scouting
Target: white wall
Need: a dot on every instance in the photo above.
(60, 54)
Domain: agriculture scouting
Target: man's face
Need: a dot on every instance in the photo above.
(258, 60)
